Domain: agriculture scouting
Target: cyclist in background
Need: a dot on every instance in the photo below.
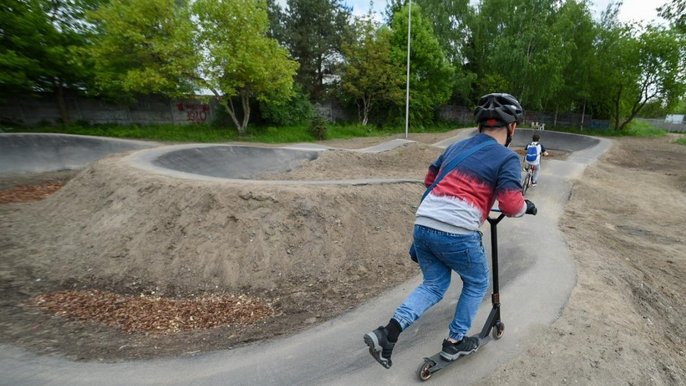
(534, 151)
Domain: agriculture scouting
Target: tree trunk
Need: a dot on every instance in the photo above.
(245, 99)
(557, 110)
(618, 100)
(583, 116)
(228, 105)
(61, 104)
(319, 79)
(638, 105)
(367, 104)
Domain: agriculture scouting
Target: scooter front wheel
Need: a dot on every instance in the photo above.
(498, 330)
(424, 370)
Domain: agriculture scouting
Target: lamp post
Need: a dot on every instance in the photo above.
(407, 88)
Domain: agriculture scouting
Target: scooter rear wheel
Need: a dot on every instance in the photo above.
(424, 371)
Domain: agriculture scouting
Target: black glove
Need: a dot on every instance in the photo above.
(530, 208)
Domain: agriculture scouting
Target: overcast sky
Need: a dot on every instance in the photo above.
(632, 10)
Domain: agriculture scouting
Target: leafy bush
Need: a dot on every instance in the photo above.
(318, 127)
(297, 110)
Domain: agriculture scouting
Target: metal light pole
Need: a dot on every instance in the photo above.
(407, 91)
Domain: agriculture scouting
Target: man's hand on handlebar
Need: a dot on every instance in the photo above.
(530, 208)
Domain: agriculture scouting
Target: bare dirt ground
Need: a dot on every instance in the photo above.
(624, 322)
(309, 254)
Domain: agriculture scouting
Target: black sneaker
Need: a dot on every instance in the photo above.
(466, 346)
(379, 346)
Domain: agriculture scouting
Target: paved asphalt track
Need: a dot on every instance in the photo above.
(535, 286)
(33, 153)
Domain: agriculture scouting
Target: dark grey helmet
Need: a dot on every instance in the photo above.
(500, 107)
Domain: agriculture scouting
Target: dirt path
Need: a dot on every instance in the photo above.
(623, 224)
(624, 323)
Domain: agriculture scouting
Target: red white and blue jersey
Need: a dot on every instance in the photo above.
(461, 201)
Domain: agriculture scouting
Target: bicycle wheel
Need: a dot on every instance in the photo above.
(527, 182)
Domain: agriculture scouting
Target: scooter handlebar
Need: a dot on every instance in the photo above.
(530, 209)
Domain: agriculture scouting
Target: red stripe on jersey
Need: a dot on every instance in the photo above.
(466, 188)
(430, 176)
(511, 202)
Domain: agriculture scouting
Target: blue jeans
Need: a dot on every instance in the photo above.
(439, 253)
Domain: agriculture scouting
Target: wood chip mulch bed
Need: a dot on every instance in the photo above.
(153, 314)
(24, 193)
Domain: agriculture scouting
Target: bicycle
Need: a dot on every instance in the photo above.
(528, 178)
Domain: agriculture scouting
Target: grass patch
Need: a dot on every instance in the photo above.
(681, 141)
(634, 129)
(209, 133)
(644, 129)
(286, 134)
(168, 133)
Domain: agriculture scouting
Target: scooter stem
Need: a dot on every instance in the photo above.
(495, 297)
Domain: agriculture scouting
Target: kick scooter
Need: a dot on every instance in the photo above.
(493, 327)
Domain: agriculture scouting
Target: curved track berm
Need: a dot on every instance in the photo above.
(339, 216)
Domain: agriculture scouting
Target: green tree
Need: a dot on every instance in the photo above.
(661, 74)
(38, 44)
(635, 67)
(392, 7)
(69, 18)
(574, 25)
(314, 32)
(515, 48)
(167, 47)
(369, 75)
(654, 109)
(676, 12)
(432, 78)
(240, 62)
(606, 63)
(143, 46)
(679, 107)
(276, 17)
(450, 22)
(25, 38)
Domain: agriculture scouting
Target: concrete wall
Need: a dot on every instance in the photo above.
(146, 110)
(160, 110)
(463, 115)
(334, 112)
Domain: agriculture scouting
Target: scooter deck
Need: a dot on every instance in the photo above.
(493, 328)
(436, 362)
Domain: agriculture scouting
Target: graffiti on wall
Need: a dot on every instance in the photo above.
(195, 112)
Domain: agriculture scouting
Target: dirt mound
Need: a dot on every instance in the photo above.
(310, 251)
(407, 161)
(115, 226)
